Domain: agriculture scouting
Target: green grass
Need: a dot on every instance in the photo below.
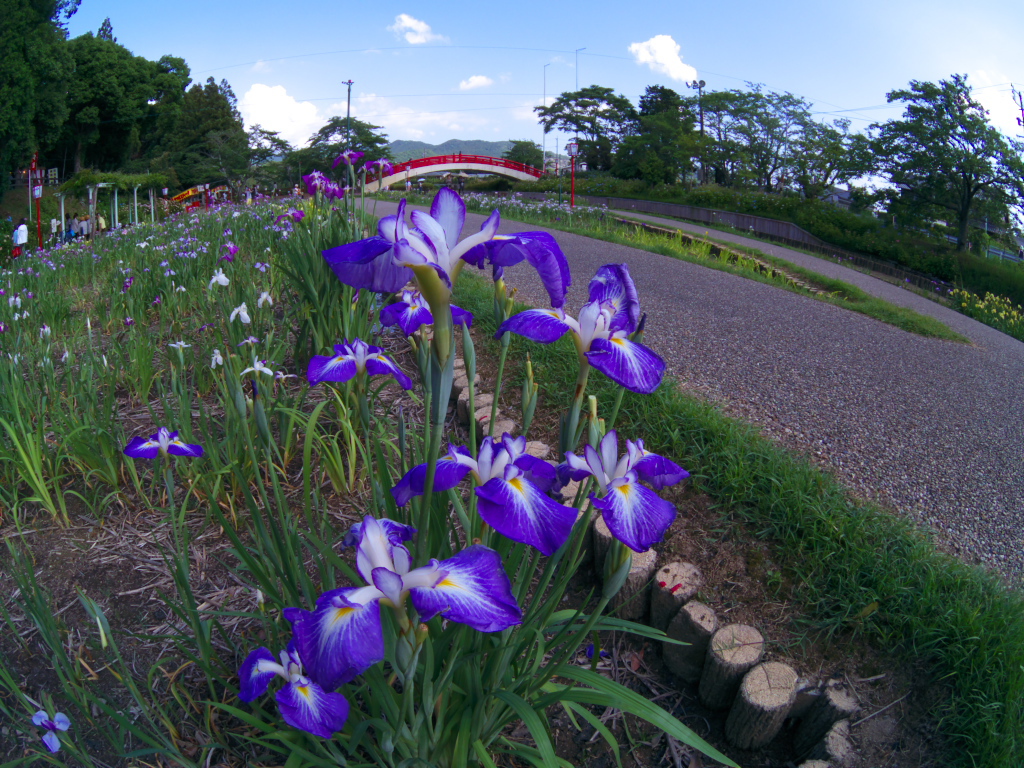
(843, 554)
(838, 293)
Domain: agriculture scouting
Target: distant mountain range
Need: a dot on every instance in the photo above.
(403, 150)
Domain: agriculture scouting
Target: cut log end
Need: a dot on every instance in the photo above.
(732, 651)
(758, 712)
(694, 624)
(674, 585)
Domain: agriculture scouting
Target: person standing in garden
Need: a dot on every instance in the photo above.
(101, 224)
(20, 238)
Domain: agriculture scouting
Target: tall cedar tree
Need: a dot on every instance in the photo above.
(34, 71)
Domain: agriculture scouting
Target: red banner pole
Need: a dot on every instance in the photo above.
(39, 218)
(572, 185)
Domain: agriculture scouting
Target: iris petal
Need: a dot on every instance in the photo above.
(142, 448)
(541, 325)
(475, 591)
(635, 515)
(450, 212)
(542, 252)
(308, 707)
(254, 682)
(381, 365)
(330, 368)
(613, 284)
(449, 474)
(519, 510)
(625, 362)
(340, 639)
(659, 471)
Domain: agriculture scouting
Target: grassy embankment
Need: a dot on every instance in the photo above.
(843, 554)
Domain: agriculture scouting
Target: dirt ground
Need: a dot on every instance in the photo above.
(120, 563)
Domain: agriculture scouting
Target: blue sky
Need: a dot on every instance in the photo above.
(434, 71)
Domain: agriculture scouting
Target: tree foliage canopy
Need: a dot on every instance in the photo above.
(524, 151)
(599, 116)
(945, 155)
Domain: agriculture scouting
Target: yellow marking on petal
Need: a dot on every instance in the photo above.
(446, 582)
(341, 613)
(625, 490)
(303, 689)
(620, 342)
(517, 483)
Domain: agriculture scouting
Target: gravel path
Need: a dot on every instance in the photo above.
(926, 427)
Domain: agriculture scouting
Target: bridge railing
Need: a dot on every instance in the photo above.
(498, 162)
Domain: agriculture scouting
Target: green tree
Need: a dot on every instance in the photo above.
(329, 141)
(209, 143)
(722, 151)
(661, 145)
(108, 96)
(827, 155)
(944, 154)
(35, 66)
(600, 118)
(524, 151)
(106, 31)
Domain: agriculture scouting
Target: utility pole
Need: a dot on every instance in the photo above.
(348, 115)
(578, 67)
(544, 135)
(1019, 98)
(698, 85)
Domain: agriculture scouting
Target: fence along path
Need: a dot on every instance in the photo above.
(772, 229)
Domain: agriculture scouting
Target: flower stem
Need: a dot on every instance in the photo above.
(570, 426)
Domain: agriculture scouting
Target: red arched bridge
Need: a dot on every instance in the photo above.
(455, 163)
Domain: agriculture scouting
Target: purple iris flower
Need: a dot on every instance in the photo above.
(293, 213)
(127, 284)
(302, 702)
(348, 157)
(60, 722)
(262, 266)
(232, 251)
(511, 491)
(351, 359)
(162, 443)
(128, 322)
(383, 263)
(381, 167)
(343, 636)
(601, 332)
(413, 311)
(314, 182)
(635, 515)
(539, 249)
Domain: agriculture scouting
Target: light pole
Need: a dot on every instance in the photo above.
(572, 149)
(544, 135)
(348, 115)
(698, 85)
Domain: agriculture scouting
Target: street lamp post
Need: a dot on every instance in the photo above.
(572, 149)
(348, 115)
(544, 135)
(698, 85)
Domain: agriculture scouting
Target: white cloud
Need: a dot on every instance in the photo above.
(275, 110)
(260, 66)
(414, 31)
(476, 81)
(404, 122)
(661, 54)
(993, 92)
